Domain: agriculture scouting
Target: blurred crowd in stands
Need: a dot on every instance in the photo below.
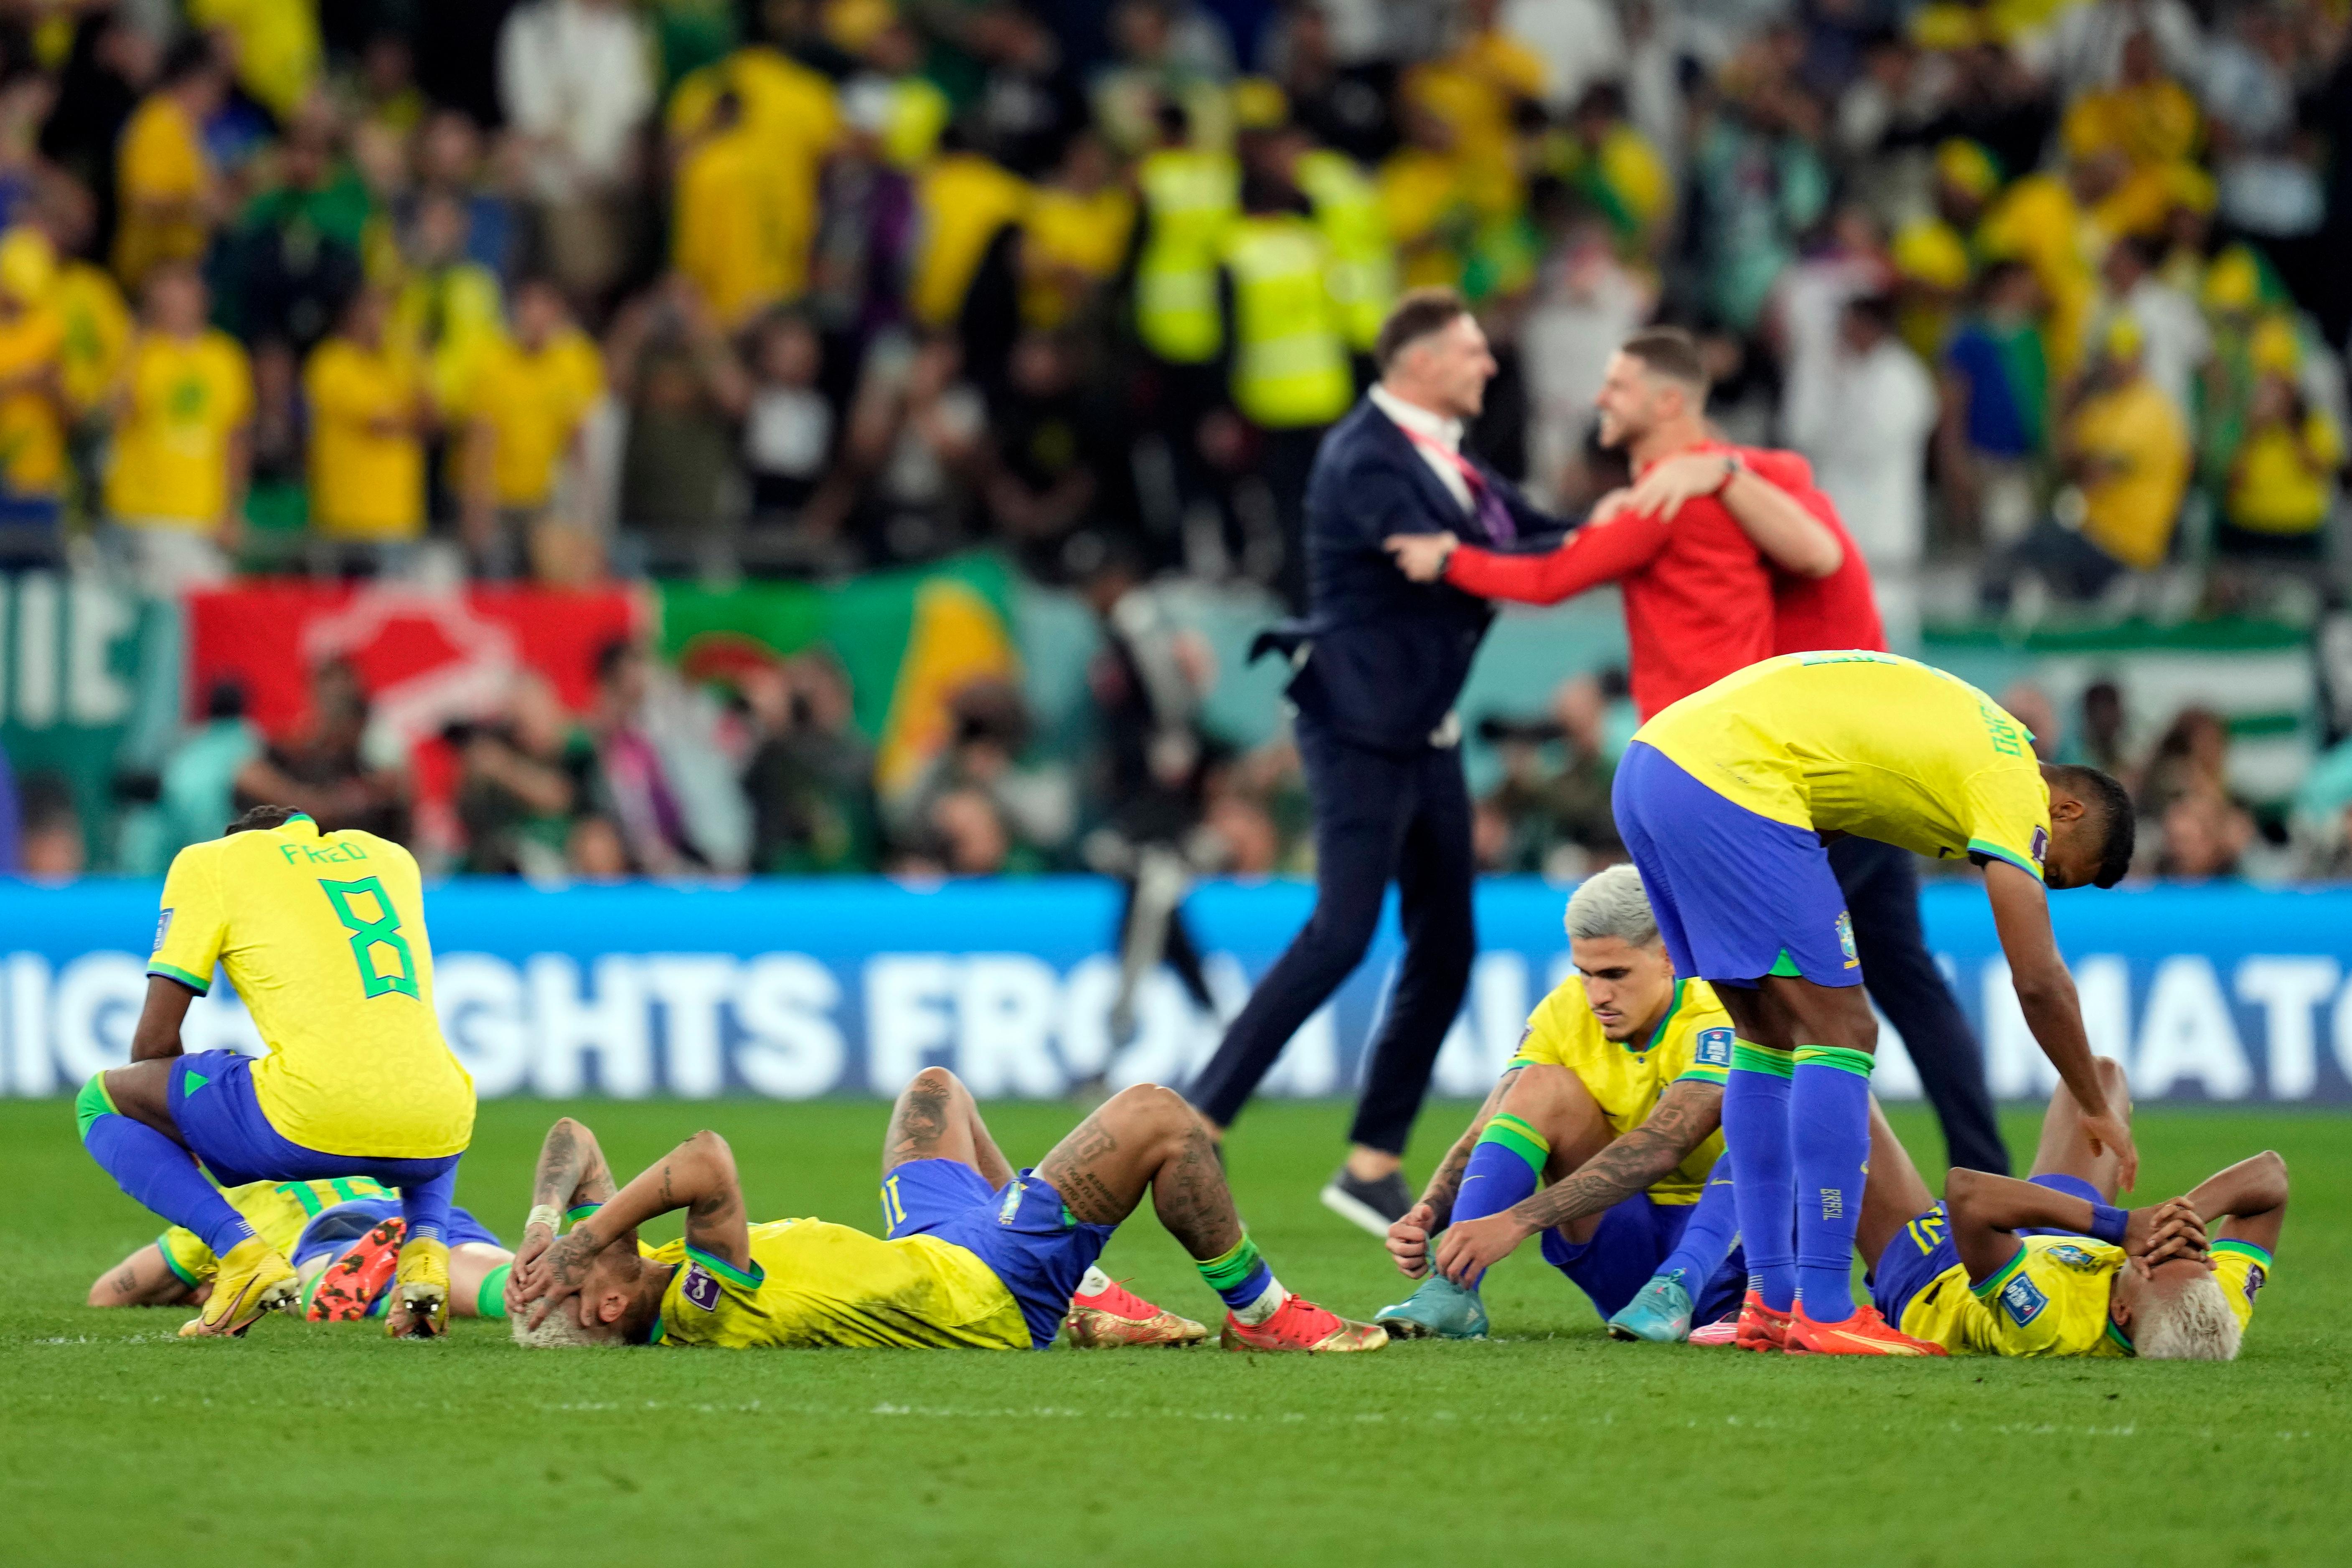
(563, 291)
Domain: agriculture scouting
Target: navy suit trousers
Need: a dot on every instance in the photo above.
(1379, 816)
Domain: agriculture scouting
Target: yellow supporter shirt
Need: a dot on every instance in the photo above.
(813, 1284)
(730, 232)
(171, 457)
(1071, 238)
(98, 331)
(796, 116)
(2052, 1299)
(2283, 484)
(365, 483)
(1868, 743)
(159, 160)
(534, 404)
(1626, 1076)
(31, 423)
(960, 202)
(323, 937)
(277, 50)
(2136, 436)
(276, 1210)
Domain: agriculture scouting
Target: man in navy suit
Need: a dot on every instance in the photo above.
(1380, 661)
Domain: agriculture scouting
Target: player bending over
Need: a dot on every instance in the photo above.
(1726, 802)
(323, 936)
(343, 1239)
(2049, 1267)
(1613, 1100)
(978, 1255)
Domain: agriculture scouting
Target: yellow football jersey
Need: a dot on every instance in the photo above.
(2051, 1300)
(276, 1210)
(813, 1284)
(1868, 743)
(1625, 1078)
(323, 937)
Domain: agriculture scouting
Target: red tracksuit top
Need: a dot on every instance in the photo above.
(1700, 601)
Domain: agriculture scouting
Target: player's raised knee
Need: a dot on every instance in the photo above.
(934, 1080)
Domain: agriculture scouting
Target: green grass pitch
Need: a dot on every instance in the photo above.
(120, 1444)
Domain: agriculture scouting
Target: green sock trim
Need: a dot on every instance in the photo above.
(1520, 1139)
(1224, 1272)
(490, 1300)
(91, 1103)
(1748, 1057)
(1858, 1063)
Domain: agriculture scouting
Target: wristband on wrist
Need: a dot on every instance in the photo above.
(547, 1214)
(1732, 467)
(2107, 1224)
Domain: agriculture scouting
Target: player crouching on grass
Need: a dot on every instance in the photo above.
(343, 1239)
(1615, 1098)
(323, 936)
(977, 1256)
(2048, 1266)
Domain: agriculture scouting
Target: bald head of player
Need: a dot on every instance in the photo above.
(1613, 937)
(1652, 399)
(2092, 828)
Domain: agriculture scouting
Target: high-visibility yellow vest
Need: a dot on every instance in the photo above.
(1289, 359)
(1189, 198)
(1363, 261)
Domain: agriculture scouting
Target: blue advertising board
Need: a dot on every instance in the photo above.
(792, 989)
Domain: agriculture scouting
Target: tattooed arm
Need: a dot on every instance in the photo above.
(1686, 1114)
(1408, 1238)
(697, 1176)
(572, 1169)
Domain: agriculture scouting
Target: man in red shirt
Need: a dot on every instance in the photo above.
(1725, 555)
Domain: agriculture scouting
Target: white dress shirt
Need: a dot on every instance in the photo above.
(1415, 420)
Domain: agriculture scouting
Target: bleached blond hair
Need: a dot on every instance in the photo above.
(1611, 903)
(559, 1330)
(2191, 1323)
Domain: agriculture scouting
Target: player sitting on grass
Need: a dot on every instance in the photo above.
(978, 1254)
(1614, 1098)
(341, 1237)
(323, 937)
(2048, 1266)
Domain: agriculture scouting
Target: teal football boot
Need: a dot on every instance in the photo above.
(1660, 1312)
(1437, 1309)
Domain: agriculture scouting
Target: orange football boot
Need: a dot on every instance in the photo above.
(1865, 1334)
(353, 1283)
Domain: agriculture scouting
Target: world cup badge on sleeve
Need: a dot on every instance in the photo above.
(702, 1287)
(163, 930)
(1714, 1048)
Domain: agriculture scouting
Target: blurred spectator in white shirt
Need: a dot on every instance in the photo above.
(1867, 436)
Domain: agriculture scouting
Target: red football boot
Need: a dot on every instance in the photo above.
(1116, 1316)
(1760, 1328)
(1300, 1325)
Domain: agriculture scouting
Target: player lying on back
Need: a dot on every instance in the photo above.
(2049, 1267)
(323, 937)
(1727, 800)
(978, 1255)
(1613, 1100)
(343, 1239)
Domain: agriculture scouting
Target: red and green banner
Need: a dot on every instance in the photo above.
(906, 640)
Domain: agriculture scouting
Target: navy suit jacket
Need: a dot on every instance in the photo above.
(1387, 656)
